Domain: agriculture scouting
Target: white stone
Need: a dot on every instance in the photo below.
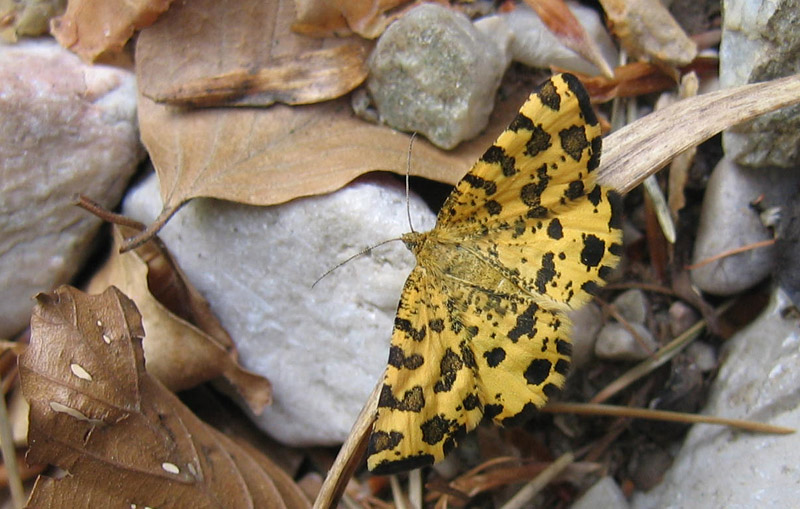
(325, 348)
(616, 343)
(727, 221)
(721, 467)
(67, 128)
(632, 305)
(605, 494)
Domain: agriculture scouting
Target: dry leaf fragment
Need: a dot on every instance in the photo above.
(243, 53)
(94, 28)
(646, 29)
(309, 77)
(563, 24)
(186, 345)
(326, 18)
(124, 439)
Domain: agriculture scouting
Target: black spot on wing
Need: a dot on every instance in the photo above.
(526, 322)
(488, 186)
(437, 428)
(562, 367)
(546, 272)
(436, 325)
(595, 195)
(594, 158)
(573, 141)
(522, 417)
(450, 364)
(548, 94)
(382, 441)
(550, 390)
(521, 122)
(574, 190)
(593, 250)
(539, 142)
(563, 347)
(493, 207)
(494, 356)
(555, 230)
(471, 402)
(413, 399)
(398, 359)
(615, 200)
(388, 467)
(405, 325)
(491, 411)
(496, 155)
(538, 371)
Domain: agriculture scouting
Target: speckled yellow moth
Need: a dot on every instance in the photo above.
(481, 328)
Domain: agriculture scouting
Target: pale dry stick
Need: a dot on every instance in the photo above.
(731, 252)
(397, 493)
(415, 488)
(350, 454)
(525, 495)
(10, 457)
(645, 146)
(663, 415)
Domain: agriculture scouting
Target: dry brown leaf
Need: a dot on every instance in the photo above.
(95, 28)
(647, 30)
(243, 53)
(639, 78)
(326, 18)
(563, 24)
(124, 439)
(31, 18)
(273, 155)
(186, 345)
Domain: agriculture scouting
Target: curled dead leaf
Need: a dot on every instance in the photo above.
(95, 28)
(185, 345)
(124, 439)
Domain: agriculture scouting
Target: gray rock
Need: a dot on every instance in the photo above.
(616, 343)
(681, 317)
(760, 41)
(703, 355)
(632, 305)
(605, 493)
(586, 323)
(67, 128)
(434, 73)
(324, 348)
(728, 221)
(721, 467)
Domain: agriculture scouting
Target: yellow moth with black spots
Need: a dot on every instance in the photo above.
(481, 328)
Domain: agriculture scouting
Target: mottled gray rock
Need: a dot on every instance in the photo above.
(605, 494)
(616, 343)
(434, 73)
(632, 305)
(721, 467)
(728, 221)
(535, 45)
(66, 128)
(324, 348)
(760, 41)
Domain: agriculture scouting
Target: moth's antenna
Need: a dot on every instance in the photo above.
(361, 253)
(408, 174)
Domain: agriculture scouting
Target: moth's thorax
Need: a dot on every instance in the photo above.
(414, 241)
